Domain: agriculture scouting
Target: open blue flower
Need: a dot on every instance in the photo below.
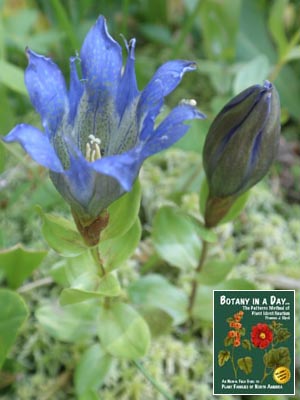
(100, 130)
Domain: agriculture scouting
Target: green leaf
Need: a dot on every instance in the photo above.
(223, 357)
(175, 238)
(276, 25)
(236, 284)
(72, 296)
(215, 271)
(72, 323)
(251, 73)
(12, 77)
(246, 344)
(108, 286)
(92, 369)
(155, 291)
(293, 54)
(86, 280)
(280, 334)
(69, 271)
(245, 364)
(228, 341)
(61, 235)
(254, 39)
(18, 263)
(253, 35)
(89, 395)
(13, 313)
(277, 357)
(123, 332)
(114, 252)
(219, 24)
(203, 308)
(205, 233)
(123, 213)
(159, 322)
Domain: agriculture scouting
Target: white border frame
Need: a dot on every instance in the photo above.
(294, 361)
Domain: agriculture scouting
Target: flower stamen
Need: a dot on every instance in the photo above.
(189, 102)
(93, 149)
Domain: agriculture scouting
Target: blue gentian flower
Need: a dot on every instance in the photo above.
(98, 132)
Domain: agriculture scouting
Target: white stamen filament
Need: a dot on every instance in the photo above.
(93, 149)
(88, 151)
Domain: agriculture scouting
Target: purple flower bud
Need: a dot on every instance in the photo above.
(240, 146)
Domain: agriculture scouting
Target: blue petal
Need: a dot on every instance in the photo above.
(37, 145)
(80, 179)
(165, 79)
(101, 60)
(87, 191)
(171, 73)
(149, 106)
(171, 129)
(122, 167)
(127, 90)
(76, 184)
(76, 90)
(47, 90)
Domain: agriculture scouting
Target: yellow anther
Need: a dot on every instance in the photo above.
(93, 149)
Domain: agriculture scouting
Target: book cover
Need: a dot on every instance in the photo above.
(254, 342)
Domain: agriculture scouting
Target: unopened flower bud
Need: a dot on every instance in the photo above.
(240, 147)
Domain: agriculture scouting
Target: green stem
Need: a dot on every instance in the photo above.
(33, 285)
(233, 365)
(96, 256)
(153, 381)
(195, 280)
(266, 374)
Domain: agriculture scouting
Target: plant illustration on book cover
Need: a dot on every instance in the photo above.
(267, 337)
